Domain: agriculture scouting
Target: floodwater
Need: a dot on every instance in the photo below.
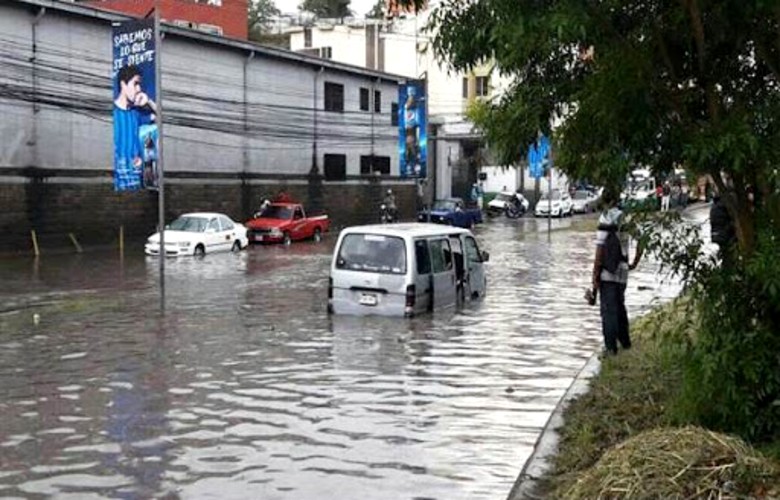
(246, 388)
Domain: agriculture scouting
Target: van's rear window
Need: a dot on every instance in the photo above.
(372, 253)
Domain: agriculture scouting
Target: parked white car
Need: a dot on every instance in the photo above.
(559, 206)
(198, 234)
(584, 201)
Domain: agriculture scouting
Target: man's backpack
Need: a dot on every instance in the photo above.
(613, 250)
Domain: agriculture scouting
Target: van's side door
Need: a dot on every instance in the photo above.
(423, 278)
(475, 269)
(443, 272)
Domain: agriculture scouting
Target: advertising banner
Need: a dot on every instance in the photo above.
(413, 129)
(538, 157)
(135, 127)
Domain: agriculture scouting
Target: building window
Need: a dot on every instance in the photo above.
(363, 99)
(326, 52)
(335, 167)
(382, 165)
(483, 86)
(465, 87)
(377, 101)
(370, 165)
(334, 96)
(306, 38)
(394, 114)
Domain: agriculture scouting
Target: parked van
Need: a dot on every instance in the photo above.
(404, 269)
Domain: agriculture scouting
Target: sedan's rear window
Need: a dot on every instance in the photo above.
(372, 253)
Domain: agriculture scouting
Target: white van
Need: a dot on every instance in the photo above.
(404, 269)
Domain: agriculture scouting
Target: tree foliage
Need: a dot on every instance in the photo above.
(659, 83)
(261, 12)
(377, 11)
(327, 9)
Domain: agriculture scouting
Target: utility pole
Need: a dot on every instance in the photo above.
(160, 170)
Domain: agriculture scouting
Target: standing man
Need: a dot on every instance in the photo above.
(666, 196)
(610, 273)
(392, 208)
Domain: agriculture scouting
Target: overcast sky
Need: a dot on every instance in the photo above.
(359, 7)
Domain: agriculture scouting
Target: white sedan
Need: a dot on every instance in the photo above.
(559, 206)
(585, 201)
(198, 234)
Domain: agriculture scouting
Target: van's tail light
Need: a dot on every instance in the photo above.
(411, 299)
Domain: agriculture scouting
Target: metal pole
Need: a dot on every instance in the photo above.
(160, 179)
(549, 195)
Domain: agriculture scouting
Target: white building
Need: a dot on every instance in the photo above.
(398, 46)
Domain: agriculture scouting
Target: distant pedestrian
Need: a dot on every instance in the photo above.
(610, 273)
(475, 194)
(666, 196)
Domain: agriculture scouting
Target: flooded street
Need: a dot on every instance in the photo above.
(246, 388)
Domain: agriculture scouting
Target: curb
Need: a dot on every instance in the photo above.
(546, 445)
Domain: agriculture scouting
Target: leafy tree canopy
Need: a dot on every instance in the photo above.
(328, 9)
(377, 11)
(261, 12)
(658, 83)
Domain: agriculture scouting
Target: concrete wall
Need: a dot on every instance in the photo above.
(93, 211)
(240, 122)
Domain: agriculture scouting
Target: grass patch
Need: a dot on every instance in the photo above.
(618, 438)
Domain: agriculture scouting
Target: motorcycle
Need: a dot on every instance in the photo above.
(387, 216)
(517, 208)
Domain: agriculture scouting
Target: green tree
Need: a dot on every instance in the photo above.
(690, 83)
(327, 9)
(261, 12)
(377, 11)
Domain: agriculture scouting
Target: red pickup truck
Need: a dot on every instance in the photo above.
(285, 223)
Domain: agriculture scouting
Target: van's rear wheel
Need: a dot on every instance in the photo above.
(236, 246)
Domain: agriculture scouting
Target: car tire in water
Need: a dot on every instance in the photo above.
(287, 239)
(200, 251)
(236, 246)
(317, 235)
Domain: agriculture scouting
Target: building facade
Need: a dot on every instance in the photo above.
(398, 45)
(218, 17)
(242, 122)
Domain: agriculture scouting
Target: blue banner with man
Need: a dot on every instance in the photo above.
(538, 157)
(135, 111)
(413, 129)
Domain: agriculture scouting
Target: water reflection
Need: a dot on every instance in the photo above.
(248, 389)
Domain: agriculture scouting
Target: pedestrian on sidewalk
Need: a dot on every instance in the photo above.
(610, 273)
(666, 196)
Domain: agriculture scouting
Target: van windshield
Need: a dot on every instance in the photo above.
(372, 253)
